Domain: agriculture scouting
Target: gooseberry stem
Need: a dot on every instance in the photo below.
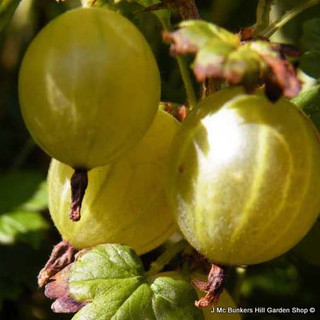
(172, 249)
(184, 71)
(263, 15)
(188, 11)
(185, 74)
(79, 183)
(289, 15)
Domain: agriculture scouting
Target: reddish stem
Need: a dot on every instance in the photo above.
(188, 10)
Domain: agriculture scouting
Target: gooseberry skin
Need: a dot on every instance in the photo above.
(124, 202)
(89, 87)
(244, 177)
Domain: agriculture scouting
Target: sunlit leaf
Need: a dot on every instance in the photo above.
(22, 226)
(108, 282)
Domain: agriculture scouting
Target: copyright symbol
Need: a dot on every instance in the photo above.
(312, 310)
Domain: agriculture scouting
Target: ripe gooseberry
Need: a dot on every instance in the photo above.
(89, 87)
(125, 202)
(244, 177)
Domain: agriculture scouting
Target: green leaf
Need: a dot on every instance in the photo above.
(311, 45)
(244, 66)
(310, 63)
(109, 282)
(195, 35)
(38, 201)
(24, 189)
(22, 194)
(174, 299)
(311, 35)
(222, 55)
(22, 226)
(308, 101)
(7, 9)
(211, 58)
(209, 31)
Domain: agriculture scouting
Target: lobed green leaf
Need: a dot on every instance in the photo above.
(109, 282)
(220, 54)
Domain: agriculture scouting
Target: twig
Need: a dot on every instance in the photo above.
(188, 11)
(170, 252)
(289, 15)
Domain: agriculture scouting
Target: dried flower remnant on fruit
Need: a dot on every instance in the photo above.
(79, 183)
(282, 78)
(213, 288)
(178, 111)
(61, 256)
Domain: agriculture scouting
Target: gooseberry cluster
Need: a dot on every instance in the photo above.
(75, 100)
(84, 113)
(242, 178)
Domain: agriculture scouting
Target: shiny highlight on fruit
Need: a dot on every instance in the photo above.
(89, 87)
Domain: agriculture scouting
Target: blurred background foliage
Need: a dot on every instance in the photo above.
(26, 231)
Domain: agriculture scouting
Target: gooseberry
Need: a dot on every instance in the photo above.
(244, 177)
(89, 87)
(125, 201)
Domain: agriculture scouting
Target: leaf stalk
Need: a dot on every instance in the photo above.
(285, 18)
